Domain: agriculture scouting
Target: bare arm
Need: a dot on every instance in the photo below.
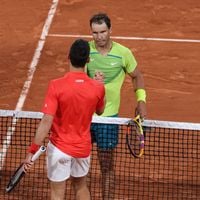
(137, 79)
(43, 129)
(101, 110)
(99, 76)
(138, 83)
(40, 136)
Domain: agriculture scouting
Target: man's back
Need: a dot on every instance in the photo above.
(74, 99)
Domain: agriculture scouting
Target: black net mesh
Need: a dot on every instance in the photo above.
(169, 168)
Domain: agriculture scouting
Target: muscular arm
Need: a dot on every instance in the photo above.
(99, 76)
(138, 83)
(43, 129)
(137, 79)
(41, 134)
(100, 111)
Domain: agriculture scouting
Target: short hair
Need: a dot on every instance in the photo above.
(100, 18)
(79, 53)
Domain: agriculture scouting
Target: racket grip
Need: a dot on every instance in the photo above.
(41, 150)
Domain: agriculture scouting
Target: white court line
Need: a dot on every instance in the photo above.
(27, 84)
(129, 38)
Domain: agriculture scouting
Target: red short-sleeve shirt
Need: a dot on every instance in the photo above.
(72, 100)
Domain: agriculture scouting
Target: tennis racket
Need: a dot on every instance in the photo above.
(135, 137)
(19, 173)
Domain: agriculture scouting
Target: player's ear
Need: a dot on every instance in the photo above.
(88, 60)
(110, 31)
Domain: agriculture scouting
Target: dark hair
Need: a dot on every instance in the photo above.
(79, 53)
(100, 18)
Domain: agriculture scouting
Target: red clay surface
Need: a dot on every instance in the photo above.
(171, 69)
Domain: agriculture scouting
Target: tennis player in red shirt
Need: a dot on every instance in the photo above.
(68, 108)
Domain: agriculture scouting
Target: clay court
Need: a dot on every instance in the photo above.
(163, 35)
(171, 68)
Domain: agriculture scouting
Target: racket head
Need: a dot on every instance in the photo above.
(16, 177)
(19, 173)
(135, 137)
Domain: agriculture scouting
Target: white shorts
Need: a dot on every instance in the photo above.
(61, 166)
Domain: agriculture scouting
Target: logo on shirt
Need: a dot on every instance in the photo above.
(115, 63)
(79, 80)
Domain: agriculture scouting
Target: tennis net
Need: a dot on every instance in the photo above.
(169, 169)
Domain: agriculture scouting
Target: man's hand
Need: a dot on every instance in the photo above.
(141, 109)
(99, 76)
(28, 163)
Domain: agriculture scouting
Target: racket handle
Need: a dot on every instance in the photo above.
(41, 150)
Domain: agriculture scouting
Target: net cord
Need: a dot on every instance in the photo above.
(109, 120)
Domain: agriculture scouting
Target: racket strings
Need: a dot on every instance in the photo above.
(135, 137)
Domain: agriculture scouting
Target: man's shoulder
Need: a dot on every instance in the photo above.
(120, 47)
(91, 44)
(56, 80)
(96, 83)
(121, 50)
(59, 80)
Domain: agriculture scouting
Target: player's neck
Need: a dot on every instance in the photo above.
(104, 50)
(74, 69)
